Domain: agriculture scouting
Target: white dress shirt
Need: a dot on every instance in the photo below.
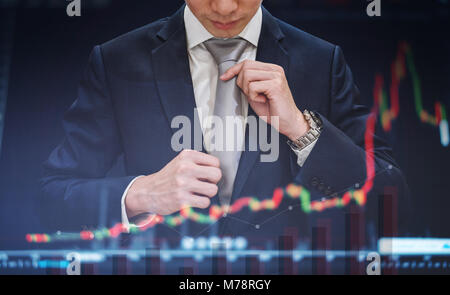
(204, 73)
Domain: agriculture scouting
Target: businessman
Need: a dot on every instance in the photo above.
(221, 59)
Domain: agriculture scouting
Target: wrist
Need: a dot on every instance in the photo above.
(299, 127)
(129, 205)
(131, 200)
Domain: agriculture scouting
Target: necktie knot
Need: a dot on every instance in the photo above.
(224, 50)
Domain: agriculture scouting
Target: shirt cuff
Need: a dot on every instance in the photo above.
(125, 220)
(303, 154)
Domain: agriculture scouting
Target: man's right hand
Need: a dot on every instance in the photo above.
(189, 180)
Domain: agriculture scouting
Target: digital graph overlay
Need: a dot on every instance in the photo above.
(404, 63)
(380, 108)
(292, 191)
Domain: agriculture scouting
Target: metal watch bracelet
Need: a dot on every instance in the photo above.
(309, 137)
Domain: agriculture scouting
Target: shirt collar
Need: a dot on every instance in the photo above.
(197, 34)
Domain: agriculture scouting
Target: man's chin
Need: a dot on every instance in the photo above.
(224, 34)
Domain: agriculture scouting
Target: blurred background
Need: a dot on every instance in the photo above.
(43, 52)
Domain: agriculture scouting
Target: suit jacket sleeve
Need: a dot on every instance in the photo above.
(74, 184)
(338, 161)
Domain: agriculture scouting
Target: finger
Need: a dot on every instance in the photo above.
(258, 91)
(207, 173)
(249, 65)
(203, 188)
(200, 158)
(247, 76)
(260, 99)
(233, 71)
(197, 202)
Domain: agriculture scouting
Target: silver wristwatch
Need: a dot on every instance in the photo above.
(312, 135)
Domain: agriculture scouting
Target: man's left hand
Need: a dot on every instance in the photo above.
(268, 93)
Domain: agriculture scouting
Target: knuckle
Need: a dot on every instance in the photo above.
(218, 175)
(215, 161)
(246, 64)
(246, 73)
(183, 167)
(239, 82)
(251, 87)
(242, 78)
(210, 190)
(214, 190)
(280, 69)
(279, 75)
(179, 182)
(204, 203)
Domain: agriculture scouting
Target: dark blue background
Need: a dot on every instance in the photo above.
(50, 51)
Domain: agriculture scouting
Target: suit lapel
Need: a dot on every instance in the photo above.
(172, 74)
(269, 51)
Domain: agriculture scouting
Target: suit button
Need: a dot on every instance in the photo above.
(321, 187)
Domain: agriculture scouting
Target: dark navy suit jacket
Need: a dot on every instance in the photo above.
(135, 84)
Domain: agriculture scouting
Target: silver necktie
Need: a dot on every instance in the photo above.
(226, 53)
